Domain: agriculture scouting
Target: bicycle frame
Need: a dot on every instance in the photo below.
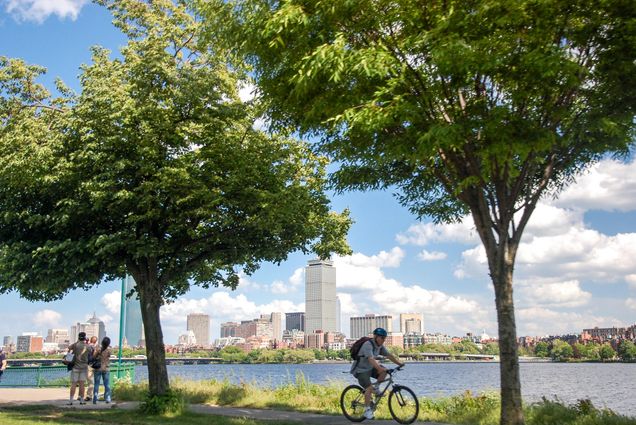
(399, 397)
(389, 385)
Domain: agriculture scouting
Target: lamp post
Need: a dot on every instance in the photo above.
(122, 313)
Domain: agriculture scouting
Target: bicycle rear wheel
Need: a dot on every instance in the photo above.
(352, 403)
(403, 405)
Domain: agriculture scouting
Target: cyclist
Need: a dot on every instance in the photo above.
(367, 367)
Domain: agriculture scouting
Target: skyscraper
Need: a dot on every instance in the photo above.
(320, 296)
(199, 323)
(133, 325)
(411, 323)
(295, 320)
(338, 313)
(100, 327)
(277, 331)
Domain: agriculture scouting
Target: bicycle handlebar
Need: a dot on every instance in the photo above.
(395, 369)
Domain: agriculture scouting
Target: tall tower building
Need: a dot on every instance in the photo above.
(338, 313)
(99, 327)
(277, 330)
(411, 323)
(295, 320)
(199, 323)
(133, 325)
(320, 296)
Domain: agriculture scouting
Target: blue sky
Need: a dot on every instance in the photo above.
(576, 267)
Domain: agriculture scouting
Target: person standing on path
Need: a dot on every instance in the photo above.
(102, 355)
(3, 361)
(92, 346)
(80, 368)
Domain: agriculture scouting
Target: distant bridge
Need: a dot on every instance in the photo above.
(50, 361)
(448, 356)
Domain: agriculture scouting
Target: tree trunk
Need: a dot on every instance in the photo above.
(511, 406)
(150, 299)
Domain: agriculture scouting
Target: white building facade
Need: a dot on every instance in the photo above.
(320, 296)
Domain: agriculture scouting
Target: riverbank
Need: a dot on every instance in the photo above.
(303, 396)
(27, 406)
(31, 404)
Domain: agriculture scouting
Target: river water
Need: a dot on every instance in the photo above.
(611, 385)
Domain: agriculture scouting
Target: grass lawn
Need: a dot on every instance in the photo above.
(50, 415)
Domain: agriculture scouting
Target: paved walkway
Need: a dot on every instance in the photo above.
(59, 397)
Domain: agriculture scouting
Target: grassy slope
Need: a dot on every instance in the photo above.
(304, 396)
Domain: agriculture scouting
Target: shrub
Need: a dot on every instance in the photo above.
(170, 403)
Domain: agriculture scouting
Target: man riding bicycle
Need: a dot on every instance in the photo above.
(367, 367)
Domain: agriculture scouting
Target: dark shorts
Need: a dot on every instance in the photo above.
(364, 378)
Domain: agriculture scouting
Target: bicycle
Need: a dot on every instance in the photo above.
(403, 403)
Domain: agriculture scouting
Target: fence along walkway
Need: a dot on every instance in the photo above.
(55, 376)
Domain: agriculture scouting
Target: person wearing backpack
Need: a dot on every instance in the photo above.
(102, 370)
(80, 367)
(365, 366)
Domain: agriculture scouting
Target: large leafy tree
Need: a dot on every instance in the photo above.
(476, 107)
(155, 169)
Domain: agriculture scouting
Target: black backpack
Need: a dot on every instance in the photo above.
(355, 348)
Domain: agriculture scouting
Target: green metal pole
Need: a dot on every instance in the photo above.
(122, 312)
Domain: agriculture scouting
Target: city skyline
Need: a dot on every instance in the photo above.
(574, 270)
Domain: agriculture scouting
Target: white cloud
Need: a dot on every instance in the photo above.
(556, 294)
(631, 303)
(608, 185)
(48, 318)
(40, 10)
(247, 91)
(364, 288)
(631, 280)
(347, 306)
(537, 321)
(431, 255)
(222, 306)
(557, 244)
(292, 285)
(392, 258)
(112, 302)
(424, 233)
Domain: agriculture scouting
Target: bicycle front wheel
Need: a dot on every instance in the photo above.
(403, 405)
(352, 403)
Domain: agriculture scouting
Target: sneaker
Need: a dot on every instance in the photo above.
(70, 403)
(368, 413)
(87, 398)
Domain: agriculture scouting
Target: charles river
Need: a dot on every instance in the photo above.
(610, 385)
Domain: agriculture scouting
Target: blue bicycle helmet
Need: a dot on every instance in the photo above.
(380, 332)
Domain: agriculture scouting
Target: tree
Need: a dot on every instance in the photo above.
(606, 352)
(464, 107)
(154, 169)
(627, 351)
(561, 350)
(541, 349)
(491, 348)
(233, 354)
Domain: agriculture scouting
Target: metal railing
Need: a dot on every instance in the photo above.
(55, 376)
